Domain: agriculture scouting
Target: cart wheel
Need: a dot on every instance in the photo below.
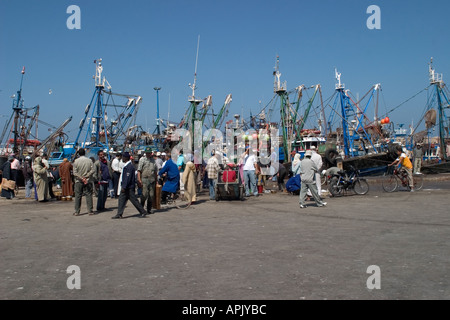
(216, 191)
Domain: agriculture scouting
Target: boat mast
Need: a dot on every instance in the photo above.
(194, 102)
(17, 107)
(344, 112)
(98, 112)
(436, 80)
(280, 89)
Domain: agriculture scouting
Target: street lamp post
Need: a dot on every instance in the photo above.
(158, 129)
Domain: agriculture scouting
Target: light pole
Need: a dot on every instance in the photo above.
(158, 129)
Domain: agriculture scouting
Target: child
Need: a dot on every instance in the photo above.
(404, 162)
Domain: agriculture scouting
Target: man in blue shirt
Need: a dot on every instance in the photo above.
(172, 184)
(181, 163)
(127, 187)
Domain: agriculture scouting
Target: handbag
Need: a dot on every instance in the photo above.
(8, 184)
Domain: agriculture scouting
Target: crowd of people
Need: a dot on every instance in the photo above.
(136, 180)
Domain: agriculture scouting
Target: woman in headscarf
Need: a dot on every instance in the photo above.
(41, 180)
(8, 182)
(189, 181)
(296, 165)
(66, 174)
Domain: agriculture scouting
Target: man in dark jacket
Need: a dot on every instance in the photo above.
(103, 175)
(127, 188)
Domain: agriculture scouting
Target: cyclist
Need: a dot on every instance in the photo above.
(404, 163)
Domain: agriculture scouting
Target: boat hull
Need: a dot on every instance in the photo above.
(435, 168)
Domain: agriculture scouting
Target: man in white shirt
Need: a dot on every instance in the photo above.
(250, 162)
(317, 159)
(116, 167)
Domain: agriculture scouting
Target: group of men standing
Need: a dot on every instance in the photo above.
(120, 174)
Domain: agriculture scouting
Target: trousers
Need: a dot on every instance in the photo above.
(86, 190)
(148, 193)
(304, 190)
(129, 194)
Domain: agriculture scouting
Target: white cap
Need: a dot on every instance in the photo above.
(313, 147)
(308, 153)
(163, 154)
(158, 154)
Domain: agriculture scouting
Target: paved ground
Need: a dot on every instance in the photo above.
(264, 248)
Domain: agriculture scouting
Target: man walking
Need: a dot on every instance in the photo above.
(146, 177)
(127, 187)
(83, 172)
(308, 173)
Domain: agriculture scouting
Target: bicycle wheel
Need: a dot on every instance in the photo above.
(334, 187)
(418, 182)
(389, 183)
(323, 180)
(182, 202)
(361, 187)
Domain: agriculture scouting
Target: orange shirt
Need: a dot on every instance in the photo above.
(405, 162)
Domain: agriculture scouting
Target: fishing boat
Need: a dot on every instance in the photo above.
(17, 136)
(364, 144)
(436, 157)
(108, 124)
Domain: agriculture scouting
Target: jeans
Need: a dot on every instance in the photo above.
(250, 182)
(28, 188)
(212, 188)
(102, 196)
(111, 189)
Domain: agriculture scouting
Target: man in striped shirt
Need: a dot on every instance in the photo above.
(212, 167)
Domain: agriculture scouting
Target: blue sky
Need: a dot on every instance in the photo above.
(146, 43)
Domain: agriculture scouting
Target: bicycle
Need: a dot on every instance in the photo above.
(391, 179)
(178, 200)
(344, 181)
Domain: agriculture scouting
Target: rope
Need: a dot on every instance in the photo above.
(395, 108)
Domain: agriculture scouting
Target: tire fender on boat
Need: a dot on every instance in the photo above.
(330, 156)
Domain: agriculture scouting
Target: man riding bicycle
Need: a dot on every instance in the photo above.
(404, 163)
